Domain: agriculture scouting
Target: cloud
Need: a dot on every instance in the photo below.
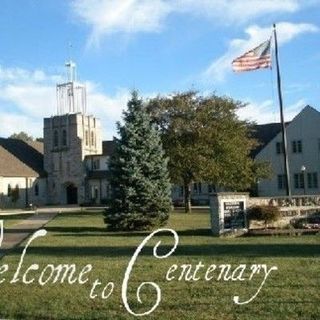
(36, 100)
(267, 111)
(286, 31)
(26, 97)
(19, 75)
(125, 16)
(107, 17)
(12, 122)
(235, 11)
(107, 108)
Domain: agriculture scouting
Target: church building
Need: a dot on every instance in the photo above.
(71, 165)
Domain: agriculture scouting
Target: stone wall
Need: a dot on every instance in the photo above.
(290, 208)
(294, 206)
(78, 135)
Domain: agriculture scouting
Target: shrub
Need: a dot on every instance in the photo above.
(301, 222)
(267, 214)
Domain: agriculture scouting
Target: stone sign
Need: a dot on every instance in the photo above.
(234, 216)
(228, 212)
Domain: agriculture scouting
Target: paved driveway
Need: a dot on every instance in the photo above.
(22, 230)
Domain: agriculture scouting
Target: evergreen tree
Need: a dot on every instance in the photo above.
(138, 174)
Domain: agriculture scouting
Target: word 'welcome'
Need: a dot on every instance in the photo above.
(69, 273)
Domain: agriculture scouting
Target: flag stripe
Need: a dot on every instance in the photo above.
(256, 58)
(266, 65)
(250, 68)
(249, 63)
(251, 59)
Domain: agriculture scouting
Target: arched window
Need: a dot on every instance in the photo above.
(87, 137)
(55, 138)
(92, 138)
(36, 190)
(64, 137)
(9, 190)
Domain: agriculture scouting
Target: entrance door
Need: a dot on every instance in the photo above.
(72, 194)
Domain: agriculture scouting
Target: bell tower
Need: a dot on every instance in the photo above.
(71, 95)
(69, 136)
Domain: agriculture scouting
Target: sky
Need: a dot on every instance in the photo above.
(156, 47)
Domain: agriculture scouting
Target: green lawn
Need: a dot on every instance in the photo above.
(292, 292)
(11, 220)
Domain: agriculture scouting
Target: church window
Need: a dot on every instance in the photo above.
(181, 189)
(312, 180)
(279, 147)
(282, 181)
(64, 137)
(197, 188)
(87, 138)
(36, 190)
(15, 192)
(297, 146)
(92, 138)
(108, 191)
(96, 164)
(55, 139)
(299, 180)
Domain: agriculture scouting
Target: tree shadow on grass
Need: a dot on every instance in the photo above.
(207, 250)
(98, 232)
(16, 216)
(75, 231)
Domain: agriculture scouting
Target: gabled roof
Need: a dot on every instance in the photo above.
(108, 148)
(264, 133)
(20, 158)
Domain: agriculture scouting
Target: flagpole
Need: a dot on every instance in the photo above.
(283, 126)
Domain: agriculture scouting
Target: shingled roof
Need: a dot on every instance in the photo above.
(21, 158)
(264, 133)
(108, 147)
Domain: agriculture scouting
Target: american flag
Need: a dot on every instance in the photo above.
(256, 58)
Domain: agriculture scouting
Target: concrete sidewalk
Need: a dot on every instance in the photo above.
(15, 212)
(46, 209)
(19, 232)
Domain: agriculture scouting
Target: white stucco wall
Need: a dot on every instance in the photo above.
(24, 196)
(305, 127)
(103, 162)
(102, 193)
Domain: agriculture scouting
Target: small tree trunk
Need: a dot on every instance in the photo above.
(187, 197)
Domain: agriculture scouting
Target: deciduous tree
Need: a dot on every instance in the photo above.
(205, 141)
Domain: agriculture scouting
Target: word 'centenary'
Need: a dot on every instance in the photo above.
(68, 273)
